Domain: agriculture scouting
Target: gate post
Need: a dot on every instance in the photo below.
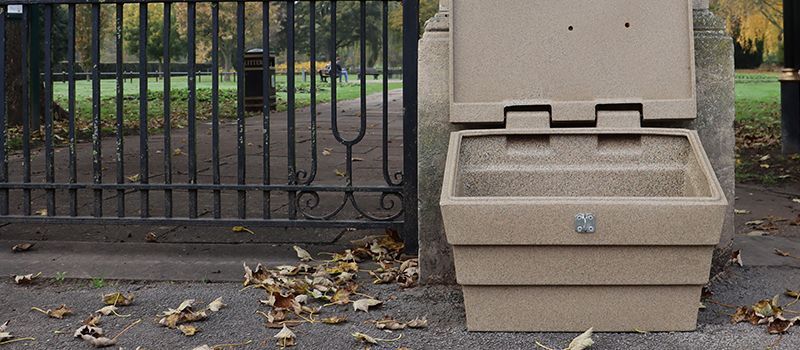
(715, 111)
(410, 77)
(435, 254)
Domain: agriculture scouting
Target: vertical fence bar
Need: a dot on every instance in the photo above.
(120, 81)
(26, 120)
(410, 56)
(215, 105)
(144, 171)
(290, 131)
(3, 156)
(73, 159)
(385, 92)
(97, 164)
(313, 108)
(192, 125)
(165, 34)
(240, 137)
(49, 155)
(265, 108)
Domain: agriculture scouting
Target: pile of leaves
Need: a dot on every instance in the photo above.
(768, 312)
(302, 293)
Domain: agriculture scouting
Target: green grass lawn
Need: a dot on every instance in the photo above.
(179, 102)
(758, 130)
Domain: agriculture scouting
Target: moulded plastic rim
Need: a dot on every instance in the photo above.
(454, 152)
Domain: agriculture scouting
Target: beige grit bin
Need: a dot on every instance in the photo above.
(571, 210)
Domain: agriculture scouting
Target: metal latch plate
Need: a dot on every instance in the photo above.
(585, 223)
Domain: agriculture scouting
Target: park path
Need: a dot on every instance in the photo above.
(215, 249)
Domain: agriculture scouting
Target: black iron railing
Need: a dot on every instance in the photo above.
(79, 195)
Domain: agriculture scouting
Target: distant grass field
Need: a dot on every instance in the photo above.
(179, 102)
(758, 131)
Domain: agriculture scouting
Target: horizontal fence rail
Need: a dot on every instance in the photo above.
(153, 147)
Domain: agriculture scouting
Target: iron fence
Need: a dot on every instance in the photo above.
(29, 174)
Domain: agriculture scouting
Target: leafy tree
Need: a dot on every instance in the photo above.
(752, 22)
(155, 36)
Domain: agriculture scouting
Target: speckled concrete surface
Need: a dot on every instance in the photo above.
(442, 305)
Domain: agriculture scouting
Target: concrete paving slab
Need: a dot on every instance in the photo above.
(760, 250)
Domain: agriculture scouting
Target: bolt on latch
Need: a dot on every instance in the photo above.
(584, 223)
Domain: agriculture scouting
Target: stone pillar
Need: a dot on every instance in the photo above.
(435, 255)
(715, 111)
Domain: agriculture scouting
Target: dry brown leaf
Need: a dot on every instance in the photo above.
(242, 229)
(334, 320)
(736, 257)
(583, 341)
(183, 314)
(326, 151)
(58, 312)
(285, 337)
(365, 304)
(741, 211)
(390, 324)
(25, 279)
(92, 320)
(793, 294)
(188, 330)
(22, 247)
(365, 338)
(216, 305)
(339, 173)
(151, 237)
(118, 299)
(259, 276)
(418, 323)
(302, 254)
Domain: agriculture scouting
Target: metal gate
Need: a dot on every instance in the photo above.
(215, 169)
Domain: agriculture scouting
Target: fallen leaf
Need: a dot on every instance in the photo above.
(41, 212)
(216, 305)
(92, 320)
(108, 310)
(793, 294)
(151, 237)
(765, 166)
(188, 330)
(242, 229)
(183, 314)
(582, 341)
(326, 151)
(365, 338)
(134, 178)
(25, 279)
(780, 252)
(741, 211)
(390, 324)
(365, 304)
(302, 254)
(339, 173)
(334, 320)
(118, 299)
(58, 312)
(177, 152)
(22, 247)
(765, 158)
(736, 257)
(418, 323)
(285, 337)
(780, 325)
(754, 222)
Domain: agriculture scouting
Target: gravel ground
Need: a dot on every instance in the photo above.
(441, 304)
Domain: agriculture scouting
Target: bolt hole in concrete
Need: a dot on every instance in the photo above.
(570, 28)
(627, 25)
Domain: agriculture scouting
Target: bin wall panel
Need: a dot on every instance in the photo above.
(577, 308)
(582, 265)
